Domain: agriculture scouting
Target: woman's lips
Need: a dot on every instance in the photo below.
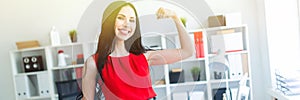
(124, 31)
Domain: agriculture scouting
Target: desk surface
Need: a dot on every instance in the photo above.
(280, 96)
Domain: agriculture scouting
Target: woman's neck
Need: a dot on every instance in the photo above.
(119, 49)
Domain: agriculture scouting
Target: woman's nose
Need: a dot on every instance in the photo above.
(126, 23)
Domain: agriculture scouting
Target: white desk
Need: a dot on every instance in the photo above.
(280, 96)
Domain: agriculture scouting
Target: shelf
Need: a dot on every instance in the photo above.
(163, 34)
(30, 73)
(230, 53)
(189, 83)
(66, 45)
(193, 59)
(223, 27)
(224, 80)
(29, 49)
(206, 29)
(68, 67)
(38, 97)
(154, 34)
(158, 86)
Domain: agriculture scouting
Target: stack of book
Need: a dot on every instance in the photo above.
(288, 82)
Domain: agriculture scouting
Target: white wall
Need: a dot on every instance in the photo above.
(264, 51)
(22, 20)
(32, 20)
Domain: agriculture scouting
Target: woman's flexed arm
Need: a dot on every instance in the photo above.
(168, 56)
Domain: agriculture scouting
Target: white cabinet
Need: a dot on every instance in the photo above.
(40, 85)
(31, 85)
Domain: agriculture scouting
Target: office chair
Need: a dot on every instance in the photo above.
(68, 90)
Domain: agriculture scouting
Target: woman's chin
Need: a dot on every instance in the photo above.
(122, 38)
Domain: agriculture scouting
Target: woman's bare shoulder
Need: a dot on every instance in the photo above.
(90, 63)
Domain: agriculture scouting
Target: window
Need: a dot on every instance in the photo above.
(282, 22)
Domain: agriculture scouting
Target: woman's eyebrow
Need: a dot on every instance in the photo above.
(122, 15)
(125, 16)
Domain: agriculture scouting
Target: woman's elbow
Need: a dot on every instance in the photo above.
(191, 53)
(188, 53)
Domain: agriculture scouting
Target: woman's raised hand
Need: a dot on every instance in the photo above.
(165, 13)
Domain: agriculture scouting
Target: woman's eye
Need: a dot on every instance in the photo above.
(121, 18)
(132, 20)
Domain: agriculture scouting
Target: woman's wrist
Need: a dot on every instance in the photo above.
(177, 20)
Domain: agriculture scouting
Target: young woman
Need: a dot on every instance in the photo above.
(121, 61)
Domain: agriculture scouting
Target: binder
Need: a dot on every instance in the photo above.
(236, 66)
(43, 84)
(180, 96)
(24, 87)
(239, 69)
(196, 95)
(198, 38)
(245, 63)
(78, 72)
(232, 69)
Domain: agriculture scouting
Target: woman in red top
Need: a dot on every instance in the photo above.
(120, 59)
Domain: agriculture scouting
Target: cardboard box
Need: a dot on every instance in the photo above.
(27, 44)
(215, 21)
(228, 19)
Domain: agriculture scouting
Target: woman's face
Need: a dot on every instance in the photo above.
(125, 23)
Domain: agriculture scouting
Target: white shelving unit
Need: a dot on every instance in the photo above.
(30, 88)
(207, 84)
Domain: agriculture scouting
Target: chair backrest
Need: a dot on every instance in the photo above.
(68, 90)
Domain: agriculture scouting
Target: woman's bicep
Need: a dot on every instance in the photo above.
(88, 79)
(167, 56)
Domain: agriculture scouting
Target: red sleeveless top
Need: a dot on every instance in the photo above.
(126, 78)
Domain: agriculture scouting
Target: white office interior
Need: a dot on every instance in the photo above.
(273, 32)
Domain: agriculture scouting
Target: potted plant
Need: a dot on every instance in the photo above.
(73, 35)
(196, 73)
(183, 20)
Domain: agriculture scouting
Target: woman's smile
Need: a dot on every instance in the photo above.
(124, 31)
